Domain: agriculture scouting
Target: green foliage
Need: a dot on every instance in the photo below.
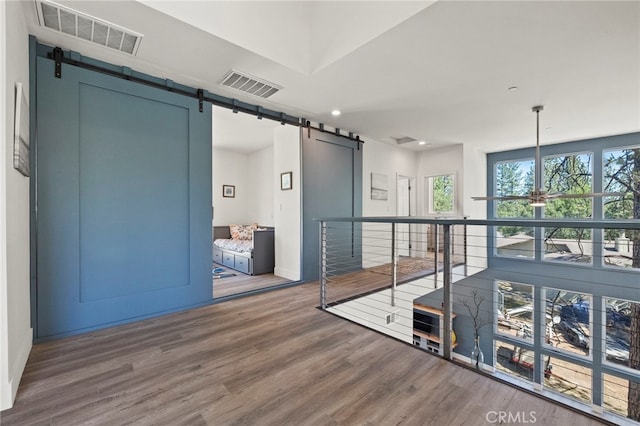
(514, 178)
(621, 174)
(443, 193)
(571, 174)
(568, 175)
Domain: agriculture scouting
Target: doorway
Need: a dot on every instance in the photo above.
(249, 156)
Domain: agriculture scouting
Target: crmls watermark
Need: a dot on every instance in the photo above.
(510, 417)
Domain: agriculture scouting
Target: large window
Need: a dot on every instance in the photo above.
(618, 331)
(514, 178)
(568, 379)
(568, 321)
(621, 174)
(585, 343)
(572, 175)
(514, 310)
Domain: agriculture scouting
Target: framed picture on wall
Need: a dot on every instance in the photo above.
(286, 180)
(229, 191)
(379, 186)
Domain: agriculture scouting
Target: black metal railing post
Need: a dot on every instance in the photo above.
(446, 271)
(323, 264)
(394, 266)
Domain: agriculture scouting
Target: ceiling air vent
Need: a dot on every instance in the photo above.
(249, 84)
(76, 24)
(404, 139)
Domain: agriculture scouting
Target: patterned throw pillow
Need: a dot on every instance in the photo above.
(242, 232)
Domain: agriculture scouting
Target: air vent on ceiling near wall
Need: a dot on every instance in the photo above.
(403, 139)
(249, 84)
(76, 24)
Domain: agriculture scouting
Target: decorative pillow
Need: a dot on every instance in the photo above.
(242, 232)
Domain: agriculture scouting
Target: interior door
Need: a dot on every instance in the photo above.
(123, 201)
(332, 187)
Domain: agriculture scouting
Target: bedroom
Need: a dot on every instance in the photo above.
(249, 156)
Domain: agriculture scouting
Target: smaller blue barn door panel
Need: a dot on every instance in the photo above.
(332, 187)
(123, 198)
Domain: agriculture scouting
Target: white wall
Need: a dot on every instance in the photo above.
(287, 203)
(260, 169)
(15, 330)
(389, 160)
(252, 175)
(437, 162)
(230, 168)
(475, 184)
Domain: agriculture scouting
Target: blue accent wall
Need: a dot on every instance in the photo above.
(123, 198)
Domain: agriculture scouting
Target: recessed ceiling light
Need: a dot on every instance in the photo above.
(512, 88)
(335, 112)
(422, 143)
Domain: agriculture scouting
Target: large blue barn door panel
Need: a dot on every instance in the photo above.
(123, 201)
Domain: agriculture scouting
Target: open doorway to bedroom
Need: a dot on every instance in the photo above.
(256, 204)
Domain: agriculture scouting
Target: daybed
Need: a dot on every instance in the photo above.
(246, 248)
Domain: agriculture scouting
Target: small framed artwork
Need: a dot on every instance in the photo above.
(229, 191)
(286, 181)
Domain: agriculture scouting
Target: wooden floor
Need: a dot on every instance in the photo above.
(271, 359)
(242, 283)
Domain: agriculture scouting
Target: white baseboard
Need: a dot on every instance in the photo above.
(9, 390)
(287, 273)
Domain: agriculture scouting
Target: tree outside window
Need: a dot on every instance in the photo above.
(441, 191)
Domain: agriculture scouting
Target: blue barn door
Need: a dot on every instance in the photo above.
(332, 187)
(123, 201)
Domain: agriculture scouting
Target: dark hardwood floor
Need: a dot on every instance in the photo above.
(271, 359)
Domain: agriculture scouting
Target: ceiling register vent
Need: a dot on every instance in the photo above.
(249, 84)
(403, 139)
(71, 22)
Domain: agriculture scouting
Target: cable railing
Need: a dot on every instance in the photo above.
(552, 306)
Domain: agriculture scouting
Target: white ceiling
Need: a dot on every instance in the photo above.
(434, 71)
(239, 132)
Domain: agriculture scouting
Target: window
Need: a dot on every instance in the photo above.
(568, 174)
(514, 178)
(440, 194)
(568, 379)
(621, 173)
(515, 361)
(568, 321)
(618, 331)
(572, 175)
(615, 396)
(514, 310)
(573, 245)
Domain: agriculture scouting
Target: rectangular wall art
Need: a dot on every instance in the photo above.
(379, 186)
